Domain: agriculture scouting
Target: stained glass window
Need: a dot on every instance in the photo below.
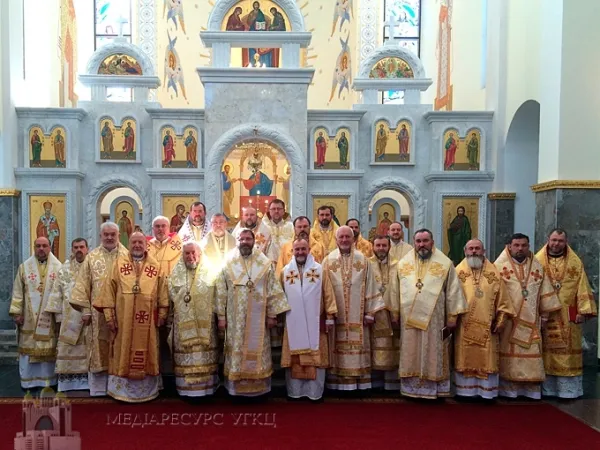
(406, 17)
(111, 18)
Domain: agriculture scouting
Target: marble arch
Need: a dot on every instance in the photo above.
(222, 7)
(295, 156)
(418, 204)
(391, 51)
(102, 186)
(125, 48)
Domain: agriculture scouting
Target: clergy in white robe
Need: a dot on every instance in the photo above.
(33, 285)
(193, 337)
(195, 226)
(217, 244)
(305, 352)
(262, 233)
(72, 361)
(533, 298)
(349, 277)
(398, 248)
(431, 299)
(94, 273)
(249, 298)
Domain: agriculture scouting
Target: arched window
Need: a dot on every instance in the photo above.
(112, 18)
(405, 15)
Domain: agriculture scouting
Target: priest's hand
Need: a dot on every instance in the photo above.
(86, 319)
(580, 318)
(271, 322)
(19, 320)
(112, 326)
(222, 324)
(368, 320)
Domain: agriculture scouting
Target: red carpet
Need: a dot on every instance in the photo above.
(332, 425)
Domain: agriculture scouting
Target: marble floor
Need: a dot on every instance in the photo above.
(586, 409)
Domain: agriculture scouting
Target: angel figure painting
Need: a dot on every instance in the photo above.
(342, 75)
(174, 10)
(341, 14)
(173, 73)
(120, 65)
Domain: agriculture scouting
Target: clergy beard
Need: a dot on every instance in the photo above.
(300, 260)
(191, 265)
(324, 223)
(245, 250)
(475, 262)
(79, 256)
(519, 258)
(250, 224)
(219, 233)
(424, 253)
(555, 255)
(395, 241)
(381, 256)
(137, 256)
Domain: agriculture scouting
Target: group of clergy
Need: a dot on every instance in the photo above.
(349, 314)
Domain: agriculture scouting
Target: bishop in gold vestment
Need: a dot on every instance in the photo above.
(564, 269)
(164, 248)
(431, 299)
(476, 339)
(324, 229)
(249, 298)
(94, 273)
(305, 351)
(533, 298)
(72, 361)
(385, 337)
(193, 337)
(33, 285)
(349, 277)
(134, 303)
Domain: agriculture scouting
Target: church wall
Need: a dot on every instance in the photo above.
(321, 55)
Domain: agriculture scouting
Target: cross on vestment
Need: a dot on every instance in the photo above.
(292, 276)
(312, 275)
(142, 317)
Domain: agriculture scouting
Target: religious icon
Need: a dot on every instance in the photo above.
(391, 67)
(381, 141)
(262, 174)
(256, 19)
(125, 218)
(461, 222)
(339, 205)
(462, 153)
(320, 149)
(332, 152)
(341, 13)
(118, 142)
(47, 150)
(47, 216)
(191, 150)
(173, 70)
(168, 144)
(175, 10)
(450, 146)
(392, 144)
(120, 65)
(176, 208)
(179, 150)
(386, 215)
(342, 75)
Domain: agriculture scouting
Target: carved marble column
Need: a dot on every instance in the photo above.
(574, 206)
(9, 250)
(502, 221)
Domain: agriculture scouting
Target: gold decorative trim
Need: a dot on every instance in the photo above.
(566, 184)
(502, 195)
(9, 193)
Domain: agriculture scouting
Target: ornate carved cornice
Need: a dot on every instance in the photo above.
(9, 193)
(566, 184)
(502, 195)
